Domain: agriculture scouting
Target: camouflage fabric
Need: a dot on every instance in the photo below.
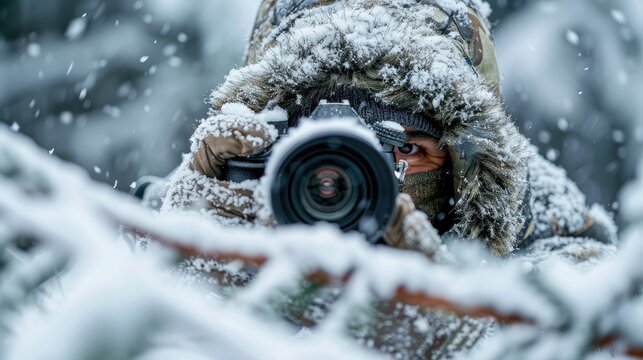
(504, 192)
(405, 332)
(471, 30)
(433, 59)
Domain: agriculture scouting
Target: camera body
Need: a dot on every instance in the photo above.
(331, 171)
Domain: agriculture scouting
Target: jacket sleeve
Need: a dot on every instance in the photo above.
(561, 222)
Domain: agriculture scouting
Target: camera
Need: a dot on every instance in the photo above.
(332, 167)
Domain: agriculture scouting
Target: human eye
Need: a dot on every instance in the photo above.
(409, 149)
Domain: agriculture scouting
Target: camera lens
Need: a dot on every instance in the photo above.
(335, 177)
(328, 193)
(325, 185)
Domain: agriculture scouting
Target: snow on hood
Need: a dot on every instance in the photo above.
(404, 56)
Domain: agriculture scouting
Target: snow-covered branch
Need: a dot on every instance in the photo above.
(556, 309)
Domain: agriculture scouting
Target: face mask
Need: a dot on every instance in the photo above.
(430, 191)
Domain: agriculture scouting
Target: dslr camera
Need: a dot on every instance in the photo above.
(330, 169)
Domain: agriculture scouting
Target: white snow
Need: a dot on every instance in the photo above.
(618, 16)
(572, 37)
(332, 39)
(556, 200)
(393, 125)
(59, 205)
(110, 299)
(33, 50)
(76, 28)
(236, 109)
(237, 117)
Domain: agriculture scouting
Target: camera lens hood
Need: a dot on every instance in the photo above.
(328, 171)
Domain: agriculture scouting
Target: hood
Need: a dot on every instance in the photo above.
(432, 58)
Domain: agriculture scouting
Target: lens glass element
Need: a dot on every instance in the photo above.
(328, 193)
(335, 177)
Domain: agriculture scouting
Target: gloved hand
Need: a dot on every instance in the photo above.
(412, 230)
(219, 138)
(222, 138)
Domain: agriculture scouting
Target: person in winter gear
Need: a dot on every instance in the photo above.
(430, 66)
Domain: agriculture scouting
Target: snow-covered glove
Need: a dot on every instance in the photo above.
(228, 137)
(412, 230)
(233, 133)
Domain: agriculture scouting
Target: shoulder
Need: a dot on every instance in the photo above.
(561, 220)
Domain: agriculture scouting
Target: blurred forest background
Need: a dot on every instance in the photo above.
(118, 86)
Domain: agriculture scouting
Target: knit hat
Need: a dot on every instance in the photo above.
(367, 108)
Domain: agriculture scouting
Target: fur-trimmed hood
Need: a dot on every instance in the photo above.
(423, 56)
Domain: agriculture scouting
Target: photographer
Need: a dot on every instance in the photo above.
(447, 97)
(428, 66)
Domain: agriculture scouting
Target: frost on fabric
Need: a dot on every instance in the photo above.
(392, 125)
(370, 35)
(582, 252)
(190, 190)
(273, 115)
(409, 332)
(556, 200)
(139, 310)
(235, 118)
(404, 57)
(420, 235)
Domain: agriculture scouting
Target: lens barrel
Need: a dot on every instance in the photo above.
(338, 177)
